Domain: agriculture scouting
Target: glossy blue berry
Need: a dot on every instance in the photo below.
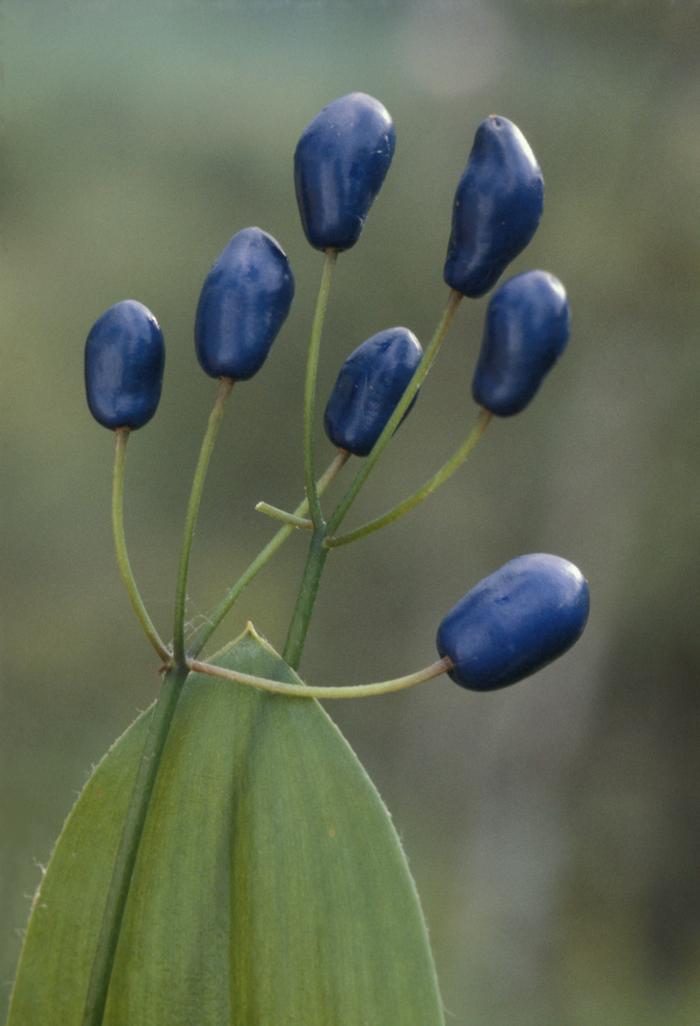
(124, 361)
(497, 207)
(340, 163)
(244, 302)
(514, 622)
(526, 331)
(368, 387)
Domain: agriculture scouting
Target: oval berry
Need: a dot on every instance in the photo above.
(526, 331)
(244, 302)
(514, 622)
(124, 361)
(340, 163)
(497, 207)
(368, 387)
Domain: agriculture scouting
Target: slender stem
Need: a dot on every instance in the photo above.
(263, 558)
(383, 687)
(443, 474)
(281, 514)
(308, 590)
(125, 861)
(411, 389)
(215, 417)
(310, 386)
(127, 575)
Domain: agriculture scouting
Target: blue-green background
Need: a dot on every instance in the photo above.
(553, 829)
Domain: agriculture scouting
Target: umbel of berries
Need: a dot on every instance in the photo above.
(340, 162)
(124, 361)
(210, 871)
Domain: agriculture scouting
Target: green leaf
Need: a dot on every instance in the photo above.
(270, 887)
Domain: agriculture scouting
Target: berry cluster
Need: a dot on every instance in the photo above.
(526, 613)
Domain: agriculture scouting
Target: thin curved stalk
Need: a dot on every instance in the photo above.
(310, 386)
(383, 687)
(123, 562)
(213, 425)
(432, 484)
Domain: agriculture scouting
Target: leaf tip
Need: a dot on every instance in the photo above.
(250, 629)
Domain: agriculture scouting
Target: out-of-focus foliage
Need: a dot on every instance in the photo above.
(552, 829)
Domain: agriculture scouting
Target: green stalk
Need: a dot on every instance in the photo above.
(262, 559)
(120, 883)
(414, 384)
(383, 687)
(432, 484)
(275, 513)
(215, 418)
(127, 575)
(310, 386)
(308, 590)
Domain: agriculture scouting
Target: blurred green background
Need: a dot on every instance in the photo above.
(553, 829)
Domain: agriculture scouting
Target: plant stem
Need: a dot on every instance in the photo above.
(383, 687)
(310, 385)
(263, 558)
(215, 417)
(282, 514)
(308, 590)
(127, 575)
(125, 861)
(414, 384)
(443, 474)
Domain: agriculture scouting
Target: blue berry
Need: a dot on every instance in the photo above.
(497, 207)
(514, 622)
(526, 331)
(124, 361)
(244, 302)
(340, 163)
(368, 387)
